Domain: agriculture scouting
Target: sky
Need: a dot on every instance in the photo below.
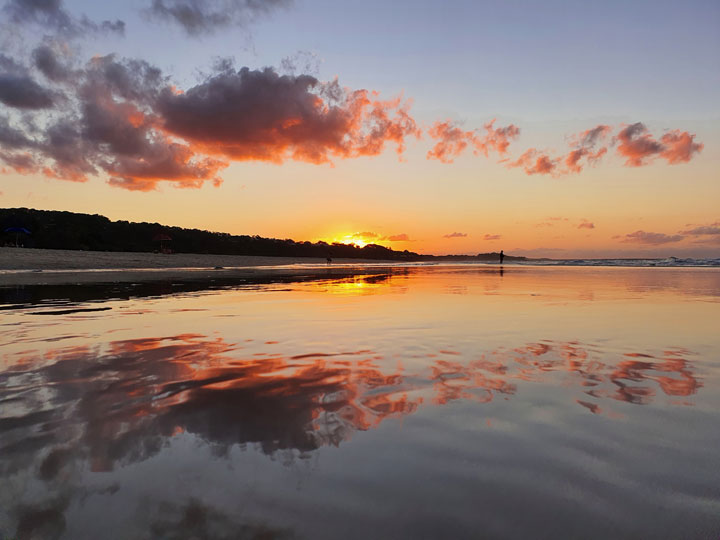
(554, 128)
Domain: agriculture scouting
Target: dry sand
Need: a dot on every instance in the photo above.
(22, 266)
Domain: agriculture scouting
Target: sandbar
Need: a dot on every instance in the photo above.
(27, 266)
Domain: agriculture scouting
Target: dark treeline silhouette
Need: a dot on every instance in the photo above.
(69, 230)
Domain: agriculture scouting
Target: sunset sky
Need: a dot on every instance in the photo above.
(561, 129)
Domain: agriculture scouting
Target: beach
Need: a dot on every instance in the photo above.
(478, 401)
(24, 266)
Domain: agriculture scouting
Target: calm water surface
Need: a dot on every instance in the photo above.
(447, 402)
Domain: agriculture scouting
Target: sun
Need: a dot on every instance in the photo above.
(353, 239)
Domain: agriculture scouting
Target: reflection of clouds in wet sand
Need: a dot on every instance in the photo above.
(120, 402)
(634, 379)
(97, 408)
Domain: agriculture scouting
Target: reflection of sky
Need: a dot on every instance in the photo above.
(522, 385)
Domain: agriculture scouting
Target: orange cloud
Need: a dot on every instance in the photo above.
(584, 144)
(679, 146)
(497, 139)
(452, 141)
(636, 144)
(639, 146)
(534, 161)
(492, 237)
(263, 116)
(125, 120)
(455, 235)
(585, 224)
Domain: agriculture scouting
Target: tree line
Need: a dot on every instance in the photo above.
(50, 229)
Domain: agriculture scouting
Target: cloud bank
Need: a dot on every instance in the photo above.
(123, 118)
(634, 143)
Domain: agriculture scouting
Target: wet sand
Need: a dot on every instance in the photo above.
(21, 266)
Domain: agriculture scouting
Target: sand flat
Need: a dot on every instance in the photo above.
(24, 266)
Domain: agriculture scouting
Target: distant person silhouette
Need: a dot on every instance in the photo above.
(502, 256)
(329, 260)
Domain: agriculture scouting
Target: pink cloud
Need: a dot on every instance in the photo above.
(679, 146)
(456, 235)
(713, 229)
(651, 238)
(584, 144)
(585, 224)
(453, 141)
(639, 147)
(497, 139)
(535, 162)
(635, 143)
(492, 237)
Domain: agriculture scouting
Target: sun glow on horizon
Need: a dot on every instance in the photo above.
(357, 239)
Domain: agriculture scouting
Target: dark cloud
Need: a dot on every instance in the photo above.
(46, 61)
(52, 15)
(123, 118)
(455, 235)
(12, 137)
(651, 238)
(22, 92)
(18, 89)
(112, 128)
(21, 162)
(261, 115)
(202, 17)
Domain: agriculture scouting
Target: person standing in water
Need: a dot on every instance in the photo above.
(502, 256)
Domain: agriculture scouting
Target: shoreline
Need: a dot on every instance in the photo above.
(28, 266)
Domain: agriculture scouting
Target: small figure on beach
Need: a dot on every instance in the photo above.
(329, 260)
(502, 256)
